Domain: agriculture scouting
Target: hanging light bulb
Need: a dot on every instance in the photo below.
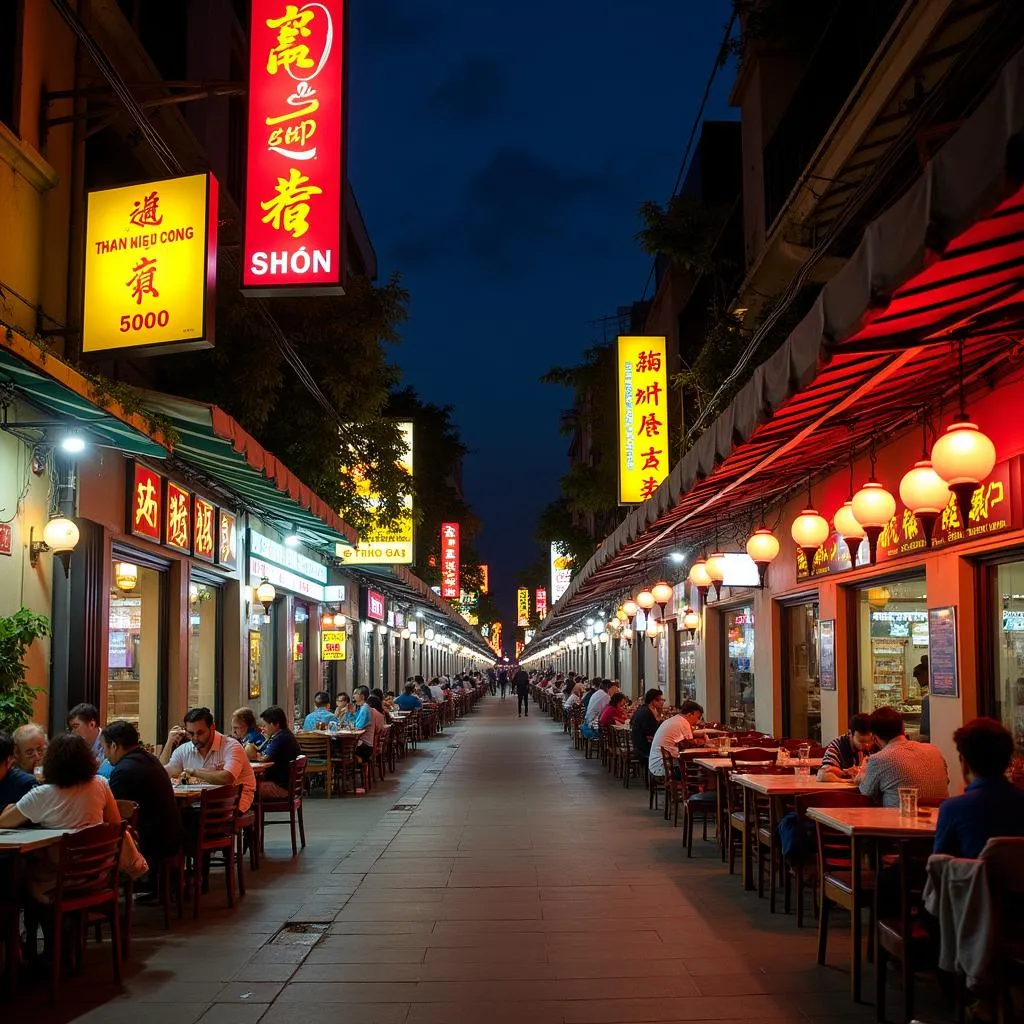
(126, 578)
(873, 507)
(630, 608)
(327, 620)
(654, 631)
(691, 620)
(878, 598)
(699, 577)
(715, 567)
(964, 455)
(848, 528)
(810, 530)
(763, 548)
(925, 493)
(265, 594)
(645, 599)
(662, 595)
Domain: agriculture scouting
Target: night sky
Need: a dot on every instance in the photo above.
(499, 152)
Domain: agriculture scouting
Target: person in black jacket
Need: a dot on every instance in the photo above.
(521, 684)
(645, 723)
(280, 750)
(138, 775)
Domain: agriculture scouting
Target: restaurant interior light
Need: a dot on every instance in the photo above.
(126, 577)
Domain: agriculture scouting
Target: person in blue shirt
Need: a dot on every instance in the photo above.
(991, 805)
(322, 712)
(245, 730)
(14, 783)
(84, 721)
(408, 701)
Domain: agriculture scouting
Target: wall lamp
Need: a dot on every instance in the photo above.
(60, 535)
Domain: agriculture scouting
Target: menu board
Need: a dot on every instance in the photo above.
(942, 671)
(827, 654)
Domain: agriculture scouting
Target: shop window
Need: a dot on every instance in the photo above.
(203, 647)
(300, 648)
(263, 656)
(1008, 703)
(738, 693)
(803, 694)
(134, 648)
(893, 651)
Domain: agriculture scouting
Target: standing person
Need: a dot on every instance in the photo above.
(503, 677)
(521, 683)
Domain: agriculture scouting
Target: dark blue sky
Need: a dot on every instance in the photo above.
(499, 152)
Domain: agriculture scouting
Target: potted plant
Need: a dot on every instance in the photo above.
(17, 634)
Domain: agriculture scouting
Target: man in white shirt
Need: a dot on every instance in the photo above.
(209, 756)
(436, 692)
(672, 732)
(597, 704)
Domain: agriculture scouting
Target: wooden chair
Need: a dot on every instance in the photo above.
(655, 785)
(697, 802)
(904, 935)
(399, 741)
(290, 805)
(738, 828)
(753, 755)
(319, 765)
(606, 745)
(215, 833)
(87, 883)
(129, 811)
(381, 745)
(1003, 858)
(673, 787)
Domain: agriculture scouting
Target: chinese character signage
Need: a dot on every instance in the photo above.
(642, 418)
(373, 606)
(561, 573)
(295, 175)
(519, 648)
(227, 529)
(522, 607)
(145, 503)
(5, 538)
(450, 560)
(495, 638)
(332, 645)
(485, 579)
(383, 546)
(151, 266)
(203, 519)
(541, 602)
(178, 525)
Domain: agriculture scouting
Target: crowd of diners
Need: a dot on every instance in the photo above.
(75, 780)
(874, 757)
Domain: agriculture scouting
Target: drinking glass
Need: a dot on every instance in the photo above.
(804, 751)
(908, 801)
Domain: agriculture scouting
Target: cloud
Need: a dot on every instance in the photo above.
(398, 23)
(517, 203)
(474, 91)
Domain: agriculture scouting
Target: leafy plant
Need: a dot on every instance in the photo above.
(17, 634)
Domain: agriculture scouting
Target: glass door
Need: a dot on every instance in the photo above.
(1006, 697)
(204, 647)
(801, 695)
(738, 676)
(300, 660)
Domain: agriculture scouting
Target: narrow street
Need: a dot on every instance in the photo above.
(500, 877)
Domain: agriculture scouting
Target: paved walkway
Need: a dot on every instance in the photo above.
(501, 877)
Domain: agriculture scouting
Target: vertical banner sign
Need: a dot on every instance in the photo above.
(561, 573)
(541, 602)
(522, 607)
(496, 638)
(203, 516)
(392, 545)
(150, 266)
(943, 679)
(485, 579)
(145, 503)
(450, 560)
(519, 648)
(295, 175)
(827, 654)
(642, 417)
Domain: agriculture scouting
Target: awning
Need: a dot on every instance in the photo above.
(944, 264)
(213, 442)
(48, 383)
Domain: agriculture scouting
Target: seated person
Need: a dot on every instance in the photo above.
(341, 705)
(645, 723)
(138, 775)
(575, 697)
(615, 713)
(991, 805)
(675, 734)
(598, 703)
(208, 755)
(84, 721)
(247, 732)
(845, 754)
(29, 747)
(73, 796)
(14, 783)
(436, 691)
(321, 713)
(361, 717)
(408, 701)
(901, 762)
(279, 751)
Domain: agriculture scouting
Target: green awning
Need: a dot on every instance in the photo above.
(51, 385)
(213, 442)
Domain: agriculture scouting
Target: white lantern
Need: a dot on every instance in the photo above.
(763, 548)
(925, 493)
(963, 457)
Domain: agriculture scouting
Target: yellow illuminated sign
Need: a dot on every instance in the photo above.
(332, 645)
(150, 266)
(391, 546)
(522, 607)
(644, 456)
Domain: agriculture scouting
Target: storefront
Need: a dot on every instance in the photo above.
(801, 693)
(738, 694)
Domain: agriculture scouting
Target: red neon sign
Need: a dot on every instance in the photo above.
(295, 176)
(450, 580)
(541, 598)
(145, 503)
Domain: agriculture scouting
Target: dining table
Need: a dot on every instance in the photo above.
(866, 827)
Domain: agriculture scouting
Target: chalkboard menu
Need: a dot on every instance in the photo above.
(942, 672)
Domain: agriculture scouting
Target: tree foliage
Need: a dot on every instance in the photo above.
(17, 634)
(342, 341)
(686, 230)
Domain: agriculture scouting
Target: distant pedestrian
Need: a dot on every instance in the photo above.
(521, 682)
(504, 683)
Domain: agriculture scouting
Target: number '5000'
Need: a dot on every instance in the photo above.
(145, 321)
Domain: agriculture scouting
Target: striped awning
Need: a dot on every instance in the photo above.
(217, 445)
(47, 383)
